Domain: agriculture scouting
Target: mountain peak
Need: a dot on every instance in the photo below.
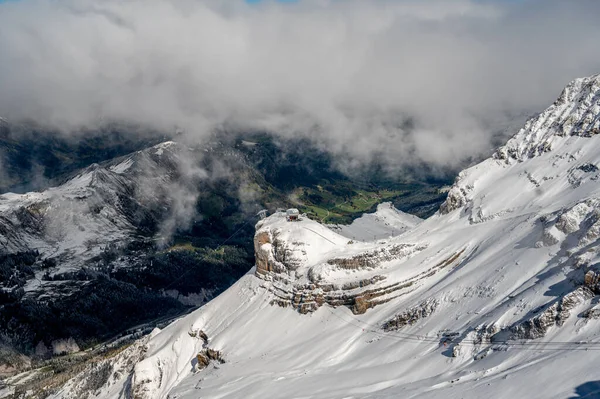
(562, 132)
(574, 113)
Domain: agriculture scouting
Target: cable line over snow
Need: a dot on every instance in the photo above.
(521, 345)
(321, 235)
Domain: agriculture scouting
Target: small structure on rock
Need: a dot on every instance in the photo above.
(293, 214)
(262, 214)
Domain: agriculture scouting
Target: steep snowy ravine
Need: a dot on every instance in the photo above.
(493, 296)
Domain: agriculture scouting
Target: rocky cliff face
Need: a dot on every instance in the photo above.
(296, 280)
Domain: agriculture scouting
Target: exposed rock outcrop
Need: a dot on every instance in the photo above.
(206, 356)
(554, 315)
(412, 315)
(591, 314)
(457, 198)
(281, 260)
(375, 258)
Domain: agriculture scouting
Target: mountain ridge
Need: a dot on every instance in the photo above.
(500, 292)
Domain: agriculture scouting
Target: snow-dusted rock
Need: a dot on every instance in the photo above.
(101, 208)
(306, 265)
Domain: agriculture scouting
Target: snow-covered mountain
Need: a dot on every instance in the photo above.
(100, 206)
(495, 295)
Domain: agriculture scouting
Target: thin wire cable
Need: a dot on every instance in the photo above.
(521, 345)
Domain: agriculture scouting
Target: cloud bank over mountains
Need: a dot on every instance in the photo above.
(403, 81)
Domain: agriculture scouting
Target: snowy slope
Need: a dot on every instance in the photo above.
(385, 222)
(494, 296)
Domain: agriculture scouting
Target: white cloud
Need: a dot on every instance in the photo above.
(408, 81)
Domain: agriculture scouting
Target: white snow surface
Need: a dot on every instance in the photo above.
(386, 222)
(121, 167)
(160, 148)
(518, 232)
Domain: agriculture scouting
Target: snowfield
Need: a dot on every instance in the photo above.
(493, 296)
(386, 222)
